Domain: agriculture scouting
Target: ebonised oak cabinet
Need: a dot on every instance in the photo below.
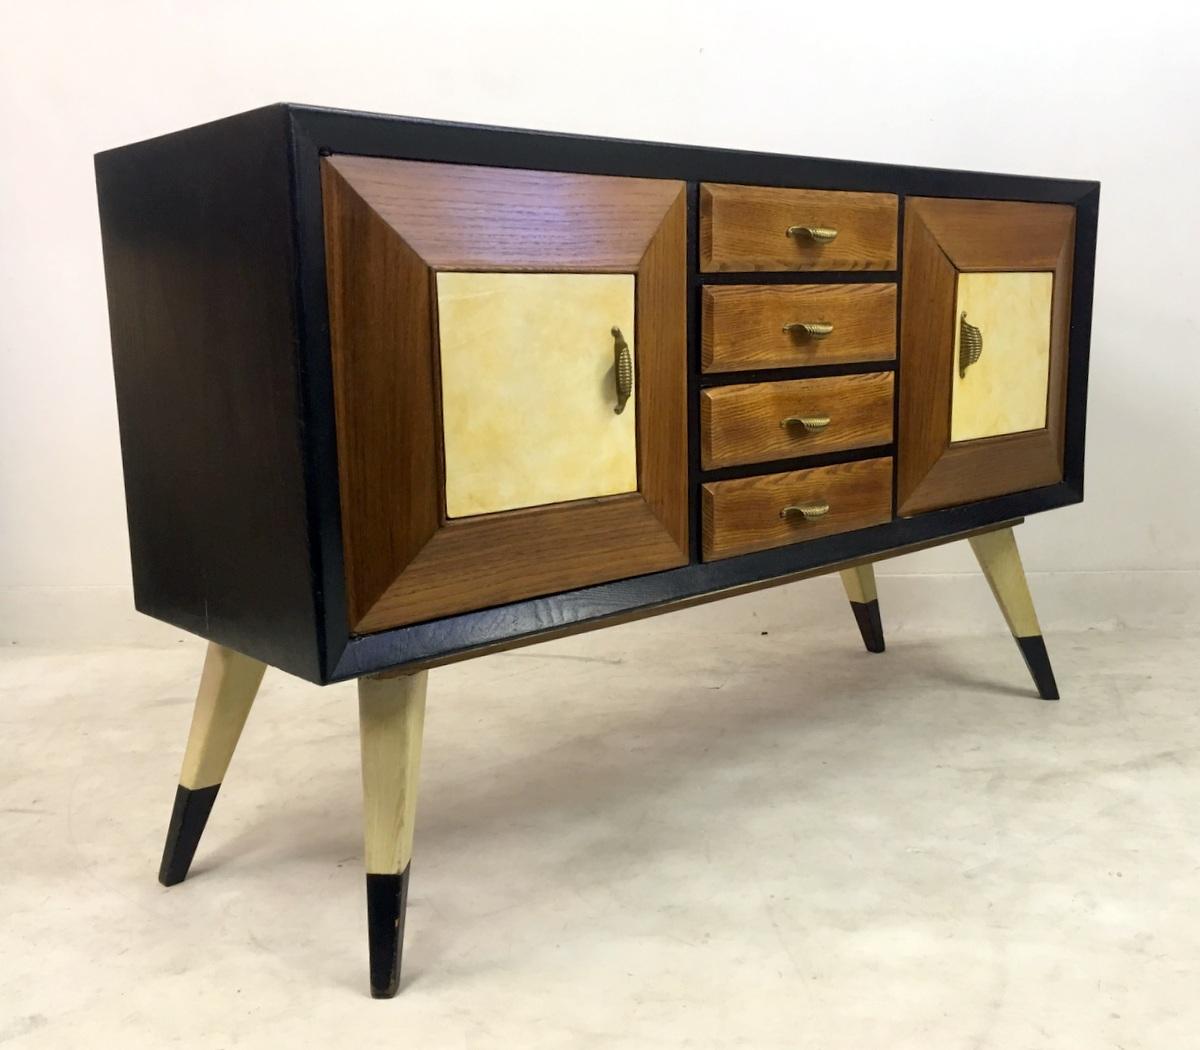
(394, 392)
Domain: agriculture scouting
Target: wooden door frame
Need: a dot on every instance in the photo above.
(390, 226)
(942, 238)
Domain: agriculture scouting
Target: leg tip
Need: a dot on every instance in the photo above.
(188, 818)
(1033, 649)
(870, 624)
(387, 903)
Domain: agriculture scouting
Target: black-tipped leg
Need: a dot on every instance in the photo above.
(1033, 648)
(387, 903)
(1001, 563)
(391, 715)
(227, 689)
(183, 835)
(859, 582)
(870, 624)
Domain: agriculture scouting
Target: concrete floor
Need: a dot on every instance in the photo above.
(653, 836)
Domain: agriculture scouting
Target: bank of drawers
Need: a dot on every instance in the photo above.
(748, 326)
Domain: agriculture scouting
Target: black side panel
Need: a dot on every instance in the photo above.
(199, 259)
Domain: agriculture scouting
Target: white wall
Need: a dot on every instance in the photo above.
(1092, 91)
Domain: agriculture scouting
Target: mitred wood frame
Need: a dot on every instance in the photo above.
(942, 238)
(389, 226)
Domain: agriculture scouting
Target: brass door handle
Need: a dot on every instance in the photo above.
(809, 329)
(816, 234)
(622, 369)
(970, 345)
(807, 511)
(810, 423)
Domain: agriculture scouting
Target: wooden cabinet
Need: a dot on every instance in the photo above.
(368, 371)
(393, 393)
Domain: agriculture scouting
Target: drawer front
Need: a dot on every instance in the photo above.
(748, 514)
(746, 228)
(758, 422)
(760, 326)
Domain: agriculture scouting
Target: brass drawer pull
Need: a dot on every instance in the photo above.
(810, 423)
(970, 345)
(622, 369)
(809, 329)
(816, 234)
(807, 511)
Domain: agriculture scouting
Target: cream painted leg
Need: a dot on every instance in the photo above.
(392, 718)
(864, 601)
(1001, 563)
(228, 686)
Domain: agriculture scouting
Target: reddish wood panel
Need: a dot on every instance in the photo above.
(744, 325)
(941, 238)
(389, 474)
(743, 515)
(745, 423)
(462, 217)
(745, 228)
(404, 561)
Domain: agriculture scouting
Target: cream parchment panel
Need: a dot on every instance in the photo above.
(528, 389)
(1004, 391)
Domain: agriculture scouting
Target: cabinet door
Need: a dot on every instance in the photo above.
(509, 363)
(985, 315)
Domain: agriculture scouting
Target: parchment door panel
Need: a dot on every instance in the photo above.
(528, 389)
(1004, 391)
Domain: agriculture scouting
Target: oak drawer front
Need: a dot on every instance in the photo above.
(746, 228)
(759, 422)
(760, 326)
(751, 514)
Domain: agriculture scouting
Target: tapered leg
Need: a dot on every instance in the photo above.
(1001, 563)
(392, 718)
(860, 589)
(228, 686)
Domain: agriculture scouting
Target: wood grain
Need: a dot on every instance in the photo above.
(743, 423)
(942, 237)
(464, 217)
(743, 325)
(744, 228)
(405, 562)
(743, 515)
(381, 330)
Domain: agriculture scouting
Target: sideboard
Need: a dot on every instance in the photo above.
(395, 393)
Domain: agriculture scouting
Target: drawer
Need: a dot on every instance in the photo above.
(766, 228)
(749, 514)
(760, 326)
(758, 422)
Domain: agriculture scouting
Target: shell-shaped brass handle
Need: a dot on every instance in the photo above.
(805, 511)
(816, 234)
(810, 423)
(622, 369)
(809, 329)
(970, 345)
